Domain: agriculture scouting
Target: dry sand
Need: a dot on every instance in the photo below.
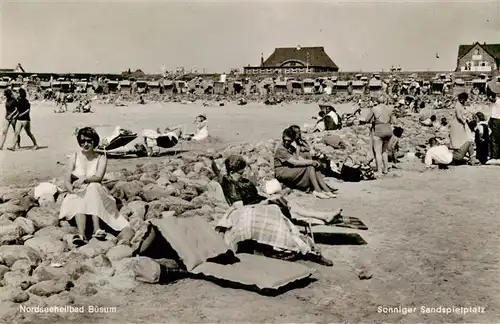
(432, 239)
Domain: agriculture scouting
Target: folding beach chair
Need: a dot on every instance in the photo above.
(117, 142)
(165, 138)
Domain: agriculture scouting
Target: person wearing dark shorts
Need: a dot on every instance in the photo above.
(380, 117)
(11, 113)
(23, 120)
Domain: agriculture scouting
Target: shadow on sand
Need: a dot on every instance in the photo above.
(28, 148)
(339, 239)
(117, 156)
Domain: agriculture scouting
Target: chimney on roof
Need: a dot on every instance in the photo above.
(261, 59)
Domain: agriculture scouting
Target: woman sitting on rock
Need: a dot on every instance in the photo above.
(87, 196)
(304, 149)
(297, 172)
(254, 218)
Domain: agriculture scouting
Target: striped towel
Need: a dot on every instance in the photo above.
(264, 224)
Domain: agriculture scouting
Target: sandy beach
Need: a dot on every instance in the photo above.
(227, 124)
(421, 251)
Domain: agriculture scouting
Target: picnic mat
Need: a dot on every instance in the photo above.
(255, 272)
(205, 254)
(194, 240)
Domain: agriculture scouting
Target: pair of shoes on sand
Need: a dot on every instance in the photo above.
(324, 194)
(79, 240)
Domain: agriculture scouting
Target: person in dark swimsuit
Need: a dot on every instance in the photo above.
(23, 120)
(11, 113)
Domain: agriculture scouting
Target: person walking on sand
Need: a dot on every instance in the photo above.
(11, 113)
(381, 117)
(23, 120)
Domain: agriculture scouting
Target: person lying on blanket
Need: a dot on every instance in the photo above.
(266, 221)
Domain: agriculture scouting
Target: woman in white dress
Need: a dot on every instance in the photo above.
(87, 196)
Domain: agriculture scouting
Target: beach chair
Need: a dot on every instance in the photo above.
(163, 140)
(119, 141)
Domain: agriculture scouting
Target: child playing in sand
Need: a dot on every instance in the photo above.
(393, 147)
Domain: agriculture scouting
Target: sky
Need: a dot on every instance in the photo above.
(216, 36)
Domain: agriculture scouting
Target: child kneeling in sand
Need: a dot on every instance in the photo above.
(393, 147)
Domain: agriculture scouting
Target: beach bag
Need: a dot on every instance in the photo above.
(367, 172)
(146, 270)
(45, 189)
(351, 173)
(272, 186)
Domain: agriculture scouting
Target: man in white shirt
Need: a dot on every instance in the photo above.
(441, 155)
(438, 154)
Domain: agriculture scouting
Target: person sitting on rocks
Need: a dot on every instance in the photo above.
(320, 125)
(296, 172)
(332, 119)
(304, 149)
(87, 197)
(255, 218)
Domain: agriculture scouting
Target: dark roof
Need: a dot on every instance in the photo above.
(317, 56)
(492, 49)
